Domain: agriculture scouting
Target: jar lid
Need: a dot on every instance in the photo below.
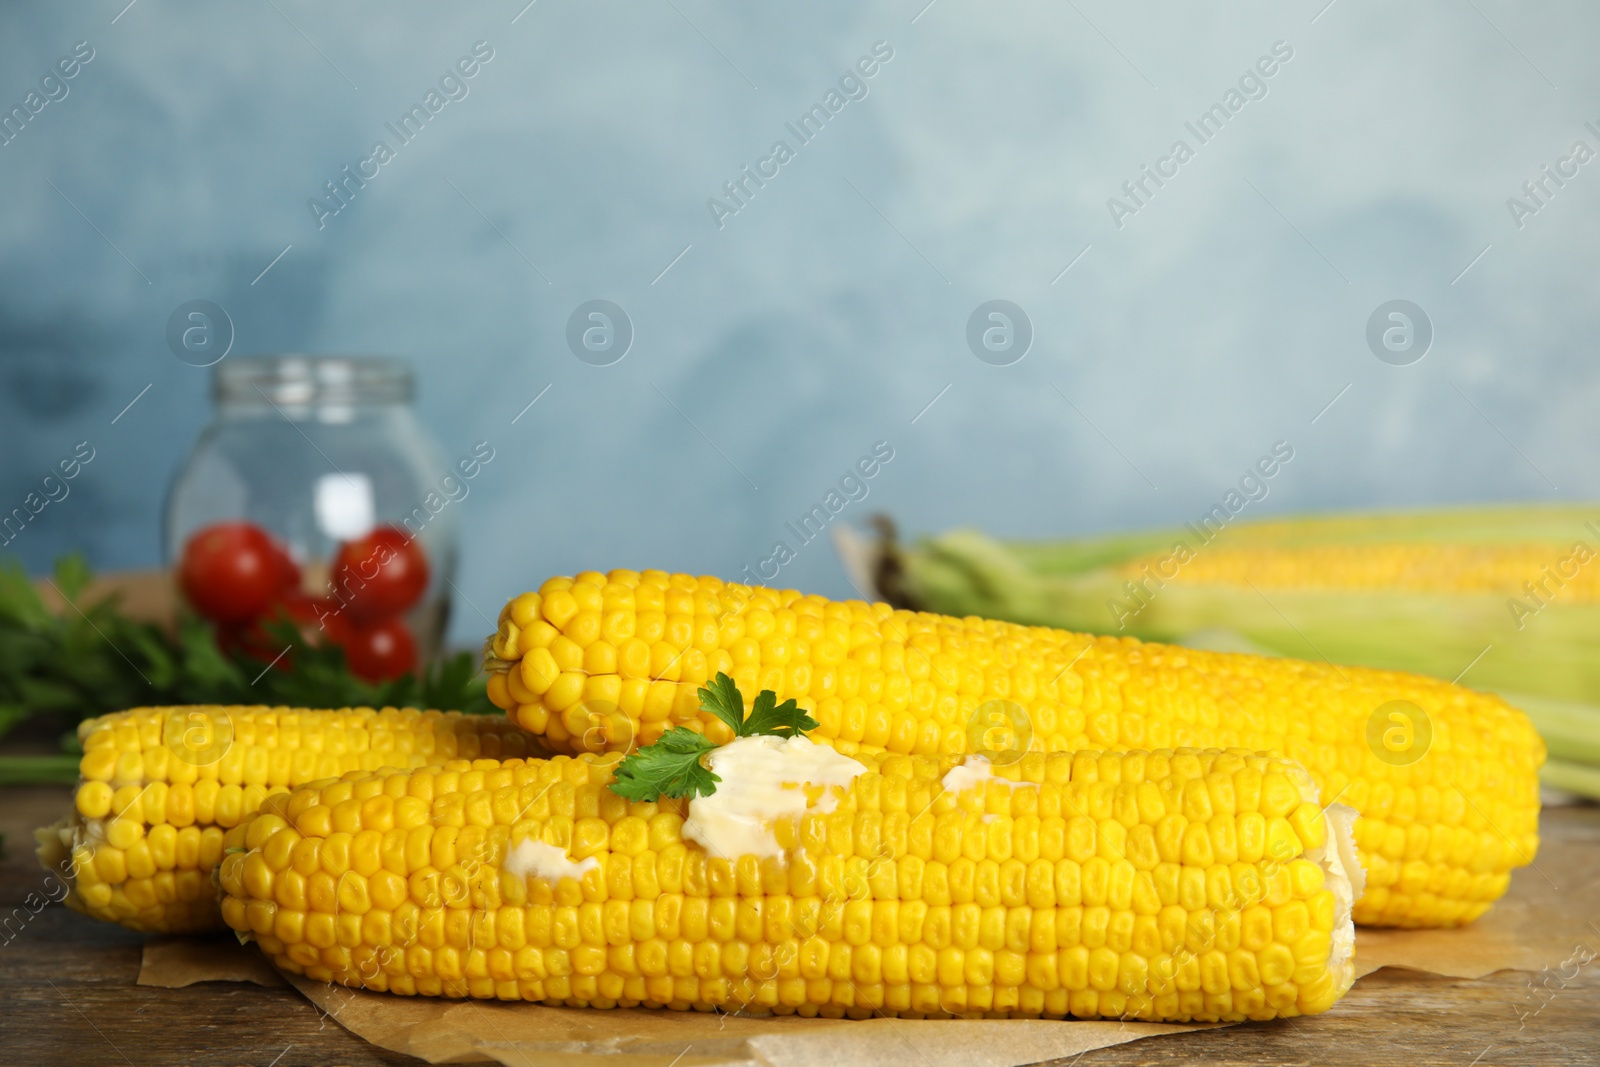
(312, 381)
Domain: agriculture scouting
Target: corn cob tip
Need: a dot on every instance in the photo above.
(159, 786)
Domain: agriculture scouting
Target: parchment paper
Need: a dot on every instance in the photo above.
(456, 1032)
(175, 962)
(1552, 909)
(445, 1031)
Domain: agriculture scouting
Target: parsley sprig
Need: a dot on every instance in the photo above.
(671, 767)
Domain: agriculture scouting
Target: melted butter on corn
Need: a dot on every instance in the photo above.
(535, 859)
(765, 780)
(975, 771)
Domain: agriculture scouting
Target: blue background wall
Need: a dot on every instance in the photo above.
(825, 315)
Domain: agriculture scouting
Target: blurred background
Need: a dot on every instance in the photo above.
(782, 331)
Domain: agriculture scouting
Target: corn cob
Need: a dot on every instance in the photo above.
(606, 663)
(1502, 570)
(1420, 591)
(159, 786)
(1196, 885)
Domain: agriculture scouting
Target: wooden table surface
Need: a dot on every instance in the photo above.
(67, 996)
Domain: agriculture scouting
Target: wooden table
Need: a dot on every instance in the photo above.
(67, 996)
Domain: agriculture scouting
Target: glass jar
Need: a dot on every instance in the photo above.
(316, 451)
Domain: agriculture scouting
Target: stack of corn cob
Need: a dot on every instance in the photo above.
(1508, 598)
(1042, 823)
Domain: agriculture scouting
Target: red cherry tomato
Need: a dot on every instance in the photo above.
(233, 571)
(381, 651)
(380, 575)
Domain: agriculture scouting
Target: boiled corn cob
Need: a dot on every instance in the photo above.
(160, 785)
(1189, 885)
(609, 662)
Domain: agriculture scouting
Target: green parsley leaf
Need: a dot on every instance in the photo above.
(721, 698)
(671, 767)
(767, 716)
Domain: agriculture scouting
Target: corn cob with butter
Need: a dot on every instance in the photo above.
(1448, 792)
(1188, 885)
(159, 786)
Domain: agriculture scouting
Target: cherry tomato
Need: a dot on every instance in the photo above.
(379, 575)
(381, 651)
(233, 571)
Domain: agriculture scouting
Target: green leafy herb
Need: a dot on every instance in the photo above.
(671, 767)
(770, 717)
(91, 658)
(722, 699)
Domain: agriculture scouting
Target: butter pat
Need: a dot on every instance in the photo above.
(973, 773)
(535, 859)
(765, 779)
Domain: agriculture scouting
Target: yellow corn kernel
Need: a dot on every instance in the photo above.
(94, 799)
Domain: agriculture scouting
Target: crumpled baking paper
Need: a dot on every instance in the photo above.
(1550, 911)
(455, 1031)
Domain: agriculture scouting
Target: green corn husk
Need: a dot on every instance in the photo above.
(1550, 665)
(1581, 779)
(1571, 731)
(1571, 735)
